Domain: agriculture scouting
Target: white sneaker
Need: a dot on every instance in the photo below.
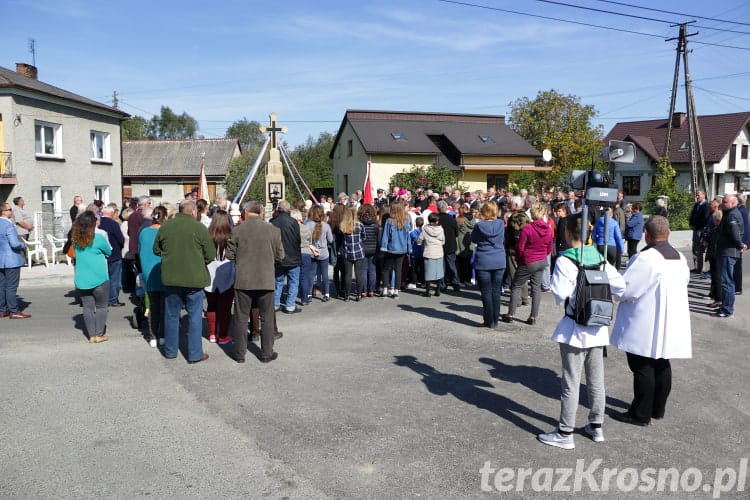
(595, 433)
(411, 286)
(152, 342)
(554, 438)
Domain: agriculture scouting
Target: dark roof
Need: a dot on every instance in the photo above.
(12, 79)
(376, 129)
(177, 158)
(718, 132)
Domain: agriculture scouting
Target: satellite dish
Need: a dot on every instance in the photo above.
(546, 155)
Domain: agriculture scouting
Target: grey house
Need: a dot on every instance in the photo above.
(166, 170)
(55, 144)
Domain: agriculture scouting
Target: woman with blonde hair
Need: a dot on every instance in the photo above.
(354, 254)
(533, 247)
(91, 276)
(394, 243)
(488, 235)
(321, 238)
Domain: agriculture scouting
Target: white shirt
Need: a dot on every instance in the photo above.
(653, 319)
(563, 285)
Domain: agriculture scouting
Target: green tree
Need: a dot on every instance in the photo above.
(169, 125)
(135, 128)
(433, 177)
(561, 124)
(314, 162)
(248, 133)
(523, 179)
(680, 201)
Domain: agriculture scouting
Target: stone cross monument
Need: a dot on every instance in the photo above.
(275, 185)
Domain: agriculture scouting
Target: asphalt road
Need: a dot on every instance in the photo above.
(378, 399)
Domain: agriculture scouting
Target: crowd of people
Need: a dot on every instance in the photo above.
(246, 270)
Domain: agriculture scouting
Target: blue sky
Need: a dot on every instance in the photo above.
(310, 60)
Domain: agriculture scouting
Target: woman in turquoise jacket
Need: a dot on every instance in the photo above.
(91, 274)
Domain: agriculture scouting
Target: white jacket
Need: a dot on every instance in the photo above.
(653, 319)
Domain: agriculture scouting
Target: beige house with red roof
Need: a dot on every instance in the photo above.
(725, 139)
(482, 149)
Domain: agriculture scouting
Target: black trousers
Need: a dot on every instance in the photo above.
(738, 274)
(652, 383)
(244, 300)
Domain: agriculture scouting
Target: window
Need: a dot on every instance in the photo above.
(498, 181)
(155, 193)
(102, 193)
(349, 147)
(99, 146)
(631, 185)
(398, 136)
(486, 139)
(48, 139)
(743, 153)
(732, 157)
(684, 146)
(51, 194)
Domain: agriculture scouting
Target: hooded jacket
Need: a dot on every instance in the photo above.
(489, 236)
(431, 239)
(534, 243)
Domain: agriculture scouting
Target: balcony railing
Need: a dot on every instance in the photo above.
(6, 164)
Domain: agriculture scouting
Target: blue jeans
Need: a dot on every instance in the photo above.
(174, 299)
(726, 279)
(305, 280)
(292, 286)
(369, 274)
(115, 281)
(9, 278)
(490, 286)
(320, 267)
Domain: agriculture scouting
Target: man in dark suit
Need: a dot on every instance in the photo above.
(255, 248)
(114, 261)
(450, 229)
(699, 217)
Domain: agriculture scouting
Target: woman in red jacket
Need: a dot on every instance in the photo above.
(534, 245)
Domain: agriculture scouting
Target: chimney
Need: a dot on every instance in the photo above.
(678, 119)
(26, 70)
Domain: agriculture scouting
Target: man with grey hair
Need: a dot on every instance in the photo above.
(23, 219)
(256, 248)
(185, 248)
(729, 248)
(114, 261)
(653, 321)
(288, 269)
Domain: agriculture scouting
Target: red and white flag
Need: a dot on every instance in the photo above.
(202, 183)
(368, 198)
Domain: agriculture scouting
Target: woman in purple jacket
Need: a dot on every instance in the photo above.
(534, 245)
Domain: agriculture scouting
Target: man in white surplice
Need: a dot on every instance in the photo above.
(653, 321)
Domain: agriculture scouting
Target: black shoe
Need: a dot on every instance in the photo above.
(293, 311)
(456, 287)
(239, 360)
(627, 418)
(269, 358)
(277, 335)
(117, 304)
(325, 298)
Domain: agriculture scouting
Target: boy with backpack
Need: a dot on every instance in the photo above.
(581, 344)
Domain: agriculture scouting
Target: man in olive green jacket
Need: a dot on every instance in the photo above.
(255, 247)
(185, 248)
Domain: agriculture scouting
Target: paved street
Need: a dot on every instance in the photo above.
(378, 399)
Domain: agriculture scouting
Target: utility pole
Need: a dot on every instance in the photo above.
(695, 143)
(115, 101)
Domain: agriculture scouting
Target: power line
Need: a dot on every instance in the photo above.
(722, 94)
(615, 13)
(672, 12)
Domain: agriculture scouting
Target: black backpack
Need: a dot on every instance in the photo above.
(593, 297)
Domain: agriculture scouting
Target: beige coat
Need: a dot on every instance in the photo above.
(255, 247)
(433, 239)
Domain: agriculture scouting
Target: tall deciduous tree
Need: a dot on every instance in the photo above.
(313, 161)
(248, 133)
(169, 125)
(135, 128)
(560, 123)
